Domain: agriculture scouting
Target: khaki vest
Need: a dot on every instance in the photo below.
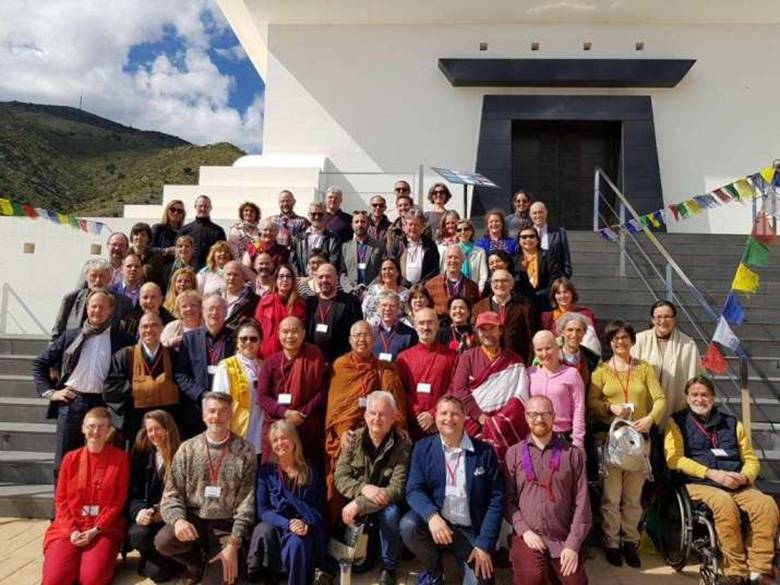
(150, 391)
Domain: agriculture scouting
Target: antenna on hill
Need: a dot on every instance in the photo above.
(81, 100)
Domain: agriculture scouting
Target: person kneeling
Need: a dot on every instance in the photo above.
(209, 498)
(371, 472)
(455, 491)
(546, 502)
(290, 537)
(711, 449)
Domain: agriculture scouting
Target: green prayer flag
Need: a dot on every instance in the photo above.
(645, 221)
(17, 209)
(756, 254)
(683, 209)
(732, 190)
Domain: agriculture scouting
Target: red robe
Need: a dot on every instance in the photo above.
(91, 479)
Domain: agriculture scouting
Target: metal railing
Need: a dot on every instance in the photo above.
(605, 215)
(5, 314)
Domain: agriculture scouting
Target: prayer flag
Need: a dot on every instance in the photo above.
(52, 215)
(745, 190)
(63, 219)
(768, 174)
(74, 222)
(759, 184)
(693, 207)
(675, 212)
(652, 217)
(660, 217)
(17, 209)
(763, 228)
(683, 209)
(725, 336)
(83, 225)
(94, 227)
(607, 234)
(714, 361)
(29, 211)
(745, 280)
(732, 191)
(633, 226)
(5, 207)
(645, 221)
(733, 310)
(722, 195)
(703, 201)
(756, 254)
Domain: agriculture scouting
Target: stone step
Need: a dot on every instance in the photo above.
(16, 364)
(23, 410)
(588, 263)
(22, 344)
(670, 239)
(26, 467)
(26, 500)
(19, 385)
(764, 388)
(27, 436)
(762, 410)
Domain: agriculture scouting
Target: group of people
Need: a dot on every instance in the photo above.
(226, 403)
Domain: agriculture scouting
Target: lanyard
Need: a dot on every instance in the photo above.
(712, 437)
(454, 288)
(386, 341)
(150, 370)
(623, 386)
(214, 470)
(500, 309)
(362, 252)
(553, 465)
(215, 350)
(323, 315)
(452, 472)
(88, 485)
(285, 386)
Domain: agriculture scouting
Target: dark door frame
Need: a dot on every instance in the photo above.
(639, 174)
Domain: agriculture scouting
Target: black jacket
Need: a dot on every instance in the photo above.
(73, 311)
(343, 313)
(299, 252)
(243, 310)
(204, 233)
(146, 484)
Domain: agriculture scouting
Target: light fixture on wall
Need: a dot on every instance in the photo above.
(483, 46)
(28, 248)
(535, 46)
(639, 46)
(586, 46)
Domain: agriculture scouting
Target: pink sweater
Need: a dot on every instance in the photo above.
(567, 392)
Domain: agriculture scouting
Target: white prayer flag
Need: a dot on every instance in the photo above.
(725, 336)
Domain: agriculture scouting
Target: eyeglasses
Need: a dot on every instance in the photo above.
(362, 335)
(535, 415)
(460, 230)
(664, 318)
(285, 277)
(249, 339)
(316, 214)
(619, 338)
(528, 237)
(177, 210)
(378, 205)
(440, 192)
(95, 427)
(402, 189)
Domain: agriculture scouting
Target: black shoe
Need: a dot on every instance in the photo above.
(613, 555)
(631, 554)
(388, 577)
(732, 580)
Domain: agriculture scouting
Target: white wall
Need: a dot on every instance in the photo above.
(372, 98)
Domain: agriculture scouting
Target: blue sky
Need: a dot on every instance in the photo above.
(173, 66)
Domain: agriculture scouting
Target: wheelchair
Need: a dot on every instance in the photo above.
(686, 529)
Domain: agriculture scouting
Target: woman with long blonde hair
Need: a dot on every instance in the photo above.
(289, 497)
(155, 445)
(181, 280)
(210, 278)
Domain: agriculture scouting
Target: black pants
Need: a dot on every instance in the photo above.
(153, 564)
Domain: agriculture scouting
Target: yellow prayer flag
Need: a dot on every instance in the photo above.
(693, 207)
(768, 174)
(5, 207)
(744, 190)
(745, 280)
(63, 219)
(653, 220)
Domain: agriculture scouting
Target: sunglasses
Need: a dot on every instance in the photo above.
(316, 214)
(177, 210)
(460, 230)
(378, 205)
(402, 189)
(249, 339)
(528, 237)
(439, 192)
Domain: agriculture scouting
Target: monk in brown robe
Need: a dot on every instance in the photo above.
(355, 375)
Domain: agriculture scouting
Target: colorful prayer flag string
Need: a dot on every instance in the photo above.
(13, 209)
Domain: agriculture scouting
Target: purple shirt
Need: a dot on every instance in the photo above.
(567, 393)
(563, 519)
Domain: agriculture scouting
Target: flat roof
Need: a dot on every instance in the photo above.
(636, 12)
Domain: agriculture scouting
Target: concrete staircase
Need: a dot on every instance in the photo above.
(26, 437)
(710, 261)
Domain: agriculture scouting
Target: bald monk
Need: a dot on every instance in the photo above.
(355, 375)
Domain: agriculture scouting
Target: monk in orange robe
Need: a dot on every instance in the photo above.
(355, 375)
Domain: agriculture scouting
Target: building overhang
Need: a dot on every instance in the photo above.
(565, 72)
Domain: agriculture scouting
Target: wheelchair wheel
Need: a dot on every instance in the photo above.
(676, 528)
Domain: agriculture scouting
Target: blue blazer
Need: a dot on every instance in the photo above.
(484, 486)
(191, 364)
(558, 248)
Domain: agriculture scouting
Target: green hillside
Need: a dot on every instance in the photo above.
(76, 162)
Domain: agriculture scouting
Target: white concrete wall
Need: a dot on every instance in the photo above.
(372, 98)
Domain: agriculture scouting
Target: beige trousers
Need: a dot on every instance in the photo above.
(621, 506)
(758, 552)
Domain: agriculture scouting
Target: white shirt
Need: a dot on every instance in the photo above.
(456, 507)
(414, 262)
(544, 237)
(92, 368)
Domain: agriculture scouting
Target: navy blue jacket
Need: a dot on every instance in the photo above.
(484, 486)
(699, 447)
(192, 361)
(558, 248)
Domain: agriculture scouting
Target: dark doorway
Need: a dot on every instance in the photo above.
(555, 161)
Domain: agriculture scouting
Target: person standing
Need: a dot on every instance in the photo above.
(290, 223)
(315, 237)
(337, 221)
(245, 231)
(552, 239)
(204, 232)
(416, 252)
(521, 202)
(165, 233)
(451, 283)
(455, 491)
(546, 502)
(132, 278)
(392, 336)
(241, 299)
(378, 223)
(361, 257)
(208, 504)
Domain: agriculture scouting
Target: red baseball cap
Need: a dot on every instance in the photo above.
(488, 318)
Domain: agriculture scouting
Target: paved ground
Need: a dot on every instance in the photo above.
(21, 559)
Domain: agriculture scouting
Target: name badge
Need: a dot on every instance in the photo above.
(212, 370)
(91, 511)
(385, 357)
(362, 401)
(362, 265)
(213, 491)
(719, 452)
(452, 491)
(321, 328)
(285, 398)
(423, 388)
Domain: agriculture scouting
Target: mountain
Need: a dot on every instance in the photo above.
(76, 162)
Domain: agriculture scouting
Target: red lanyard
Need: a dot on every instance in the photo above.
(285, 388)
(452, 472)
(712, 437)
(380, 331)
(623, 386)
(150, 370)
(214, 470)
(554, 464)
(323, 315)
(215, 351)
(90, 486)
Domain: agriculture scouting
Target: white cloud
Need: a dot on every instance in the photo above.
(52, 51)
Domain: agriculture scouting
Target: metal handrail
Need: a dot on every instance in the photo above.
(7, 292)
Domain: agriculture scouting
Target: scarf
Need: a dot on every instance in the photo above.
(467, 248)
(71, 355)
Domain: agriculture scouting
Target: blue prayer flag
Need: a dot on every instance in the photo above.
(733, 310)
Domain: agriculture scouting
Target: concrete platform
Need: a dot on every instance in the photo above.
(21, 560)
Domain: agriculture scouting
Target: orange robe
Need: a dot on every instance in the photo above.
(353, 379)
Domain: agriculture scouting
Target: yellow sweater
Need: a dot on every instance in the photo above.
(643, 390)
(674, 449)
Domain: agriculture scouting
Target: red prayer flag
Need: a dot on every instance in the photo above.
(675, 212)
(83, 225)
(763, 229)
(29, 211)
(714, 361)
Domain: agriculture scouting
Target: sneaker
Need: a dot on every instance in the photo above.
(388, 577)
(613, 555)
(631, 554)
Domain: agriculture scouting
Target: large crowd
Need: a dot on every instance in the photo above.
(227, 403)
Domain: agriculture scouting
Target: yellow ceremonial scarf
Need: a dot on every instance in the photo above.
(241, 393)
(531, 265)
